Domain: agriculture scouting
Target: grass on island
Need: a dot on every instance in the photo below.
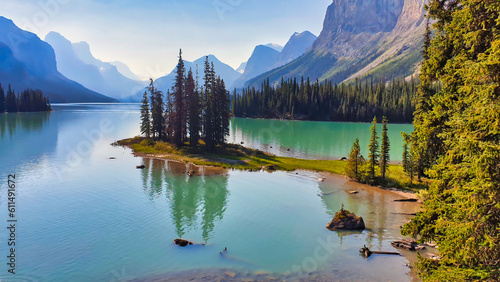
(239, 157)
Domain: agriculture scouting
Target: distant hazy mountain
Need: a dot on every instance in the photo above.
(28, 62)
(76, 62)
(276, 47)
(241, 68)
(125, 70)
(165, 83)
(296, 47)
(263, 59)
(381, 39)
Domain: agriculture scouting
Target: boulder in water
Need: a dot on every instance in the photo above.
(182, 242)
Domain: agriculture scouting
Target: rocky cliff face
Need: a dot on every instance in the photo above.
(362, 38)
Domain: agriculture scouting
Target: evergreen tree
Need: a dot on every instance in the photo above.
(209, 107)
(178, 92)
(407, 156)
(457, 138)
(355, 161)
(193, 101)
(145, 116)
(373, 150)
(384, 149)
(2, 100)
(11, 101)
(157, 112)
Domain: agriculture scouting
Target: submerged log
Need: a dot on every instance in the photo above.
(406, 200)
(184, 243)
(353, 192)
(366, 253)
(411, 245)
(141, 167)
(191, 173)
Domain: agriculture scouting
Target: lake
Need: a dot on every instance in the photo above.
(85, 217)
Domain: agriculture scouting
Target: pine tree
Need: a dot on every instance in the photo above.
(178, 110)
(157, 112)
(407, 156)
(209, 107)
(384, 149)
(355, 161)
(145, 116)
(11, 101)
(373, 150)
(193, 101)
(2, 100)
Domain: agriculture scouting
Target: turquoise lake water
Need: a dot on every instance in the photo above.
(85, 217)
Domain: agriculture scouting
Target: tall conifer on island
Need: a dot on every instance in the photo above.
(459, 127)
(145, 116)
(373, 150)
(384, 149)
(178, 112)
(194, 113)
(157, 111)
(2, 100)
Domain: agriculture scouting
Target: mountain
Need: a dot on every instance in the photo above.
(125, 70)
(28, 62)
(165, 83)
(361, 39)
(276, 47)
(76, 62)
(296, 47)
(263, 59)
(241, 68)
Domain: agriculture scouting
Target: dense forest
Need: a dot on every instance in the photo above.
(200, 112)
(27, 101)
(359, 101)
(456, 142)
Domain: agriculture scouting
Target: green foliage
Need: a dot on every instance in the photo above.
(456, 141)
(157, 112)
(304, 99)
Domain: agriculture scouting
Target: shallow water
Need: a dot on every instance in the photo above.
(83, 216)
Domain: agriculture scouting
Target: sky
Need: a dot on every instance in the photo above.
(147, 35)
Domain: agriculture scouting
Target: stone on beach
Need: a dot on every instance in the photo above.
(411, 245)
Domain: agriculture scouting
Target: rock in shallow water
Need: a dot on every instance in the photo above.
(345, 220)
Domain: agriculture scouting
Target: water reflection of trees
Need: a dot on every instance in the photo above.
(12, 122)
(190, 198)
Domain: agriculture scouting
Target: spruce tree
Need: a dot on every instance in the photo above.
(145, 116)
(209, 107)
(384, 149)
(407, 156)
(178, 92)
(11, 101)
(194, 113)
(354, 162)
(373, 150)
(157, 112)
(2, 100)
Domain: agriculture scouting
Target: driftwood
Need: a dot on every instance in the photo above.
(141, 167)
(366, 253)
(402, 213)
(411, 245)
(406, 200)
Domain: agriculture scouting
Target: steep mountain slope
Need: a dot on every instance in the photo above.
(361, 38)
(125, 70)
(296, 47)
(165, 83)
(263, 59)
(76, 62)
(28, 62)
(241, 68)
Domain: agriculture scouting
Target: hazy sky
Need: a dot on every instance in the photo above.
(147, 34)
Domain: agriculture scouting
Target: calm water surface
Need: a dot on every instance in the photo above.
(85, 217)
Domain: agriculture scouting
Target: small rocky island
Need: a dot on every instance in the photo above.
(346, 220)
